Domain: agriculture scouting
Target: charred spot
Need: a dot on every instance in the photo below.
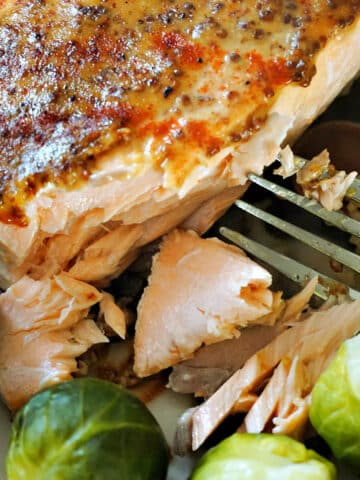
(185, 100)
(221, 33)
(269, 92)
(93, 11)
(165, 19)
(167, 91)
(266, 14)
(297, 22)
(332, 4)
(235, 57)
(258, 33)
(232, 95)
(189, 6)
(287, 18)
(345, 21)
(235, 137)
(177, 72)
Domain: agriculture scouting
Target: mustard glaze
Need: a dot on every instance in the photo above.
(177, 78)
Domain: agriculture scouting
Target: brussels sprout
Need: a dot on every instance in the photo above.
(86, 429)
(265, 457)
(335, 404)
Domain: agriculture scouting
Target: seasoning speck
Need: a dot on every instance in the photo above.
(258, 33)
(234, 57)
(167, 91)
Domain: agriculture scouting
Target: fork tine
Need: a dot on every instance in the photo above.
(339, 220)
(287, 266)
(340, 254)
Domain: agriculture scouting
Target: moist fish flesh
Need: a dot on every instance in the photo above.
(314, 340)
(212, 364)
(200, 292)
(44, 328)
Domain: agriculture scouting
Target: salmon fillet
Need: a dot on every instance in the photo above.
(122, 120)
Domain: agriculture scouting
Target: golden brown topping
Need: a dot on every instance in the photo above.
(79, 77)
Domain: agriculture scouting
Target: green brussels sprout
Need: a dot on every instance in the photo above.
(263, 456)
(86, 429)
(335, 404)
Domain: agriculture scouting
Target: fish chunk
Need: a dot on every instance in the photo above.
(315, 341)
(43, 329)
(200, 292)
(113, 315)
(283, 404)
(213, 364)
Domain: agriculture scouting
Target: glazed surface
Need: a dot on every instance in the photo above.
(168, 83)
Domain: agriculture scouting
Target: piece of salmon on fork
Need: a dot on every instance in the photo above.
(119, 122)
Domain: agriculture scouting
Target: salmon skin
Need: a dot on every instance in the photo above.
(114, 114)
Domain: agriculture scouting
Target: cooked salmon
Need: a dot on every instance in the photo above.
(282, 405)
(131, 117)
(200, 292)
(113, 315)
(211, 365)
(43, 329)
(313, 342)
(262, 410)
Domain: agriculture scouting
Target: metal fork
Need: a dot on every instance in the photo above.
(289, 267)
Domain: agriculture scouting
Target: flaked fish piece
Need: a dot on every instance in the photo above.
(297, 386)
(43, 329)
(318, 178)
(294, 424)
(323, 183)
(113, 315)
(106, 124)
(183, 433)
(200, 292)
(288, 165)
(331, 191)
(282, 406)
(314, 340)
(103, 259)
(296, 305)
(264, 407)
(211, 365)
